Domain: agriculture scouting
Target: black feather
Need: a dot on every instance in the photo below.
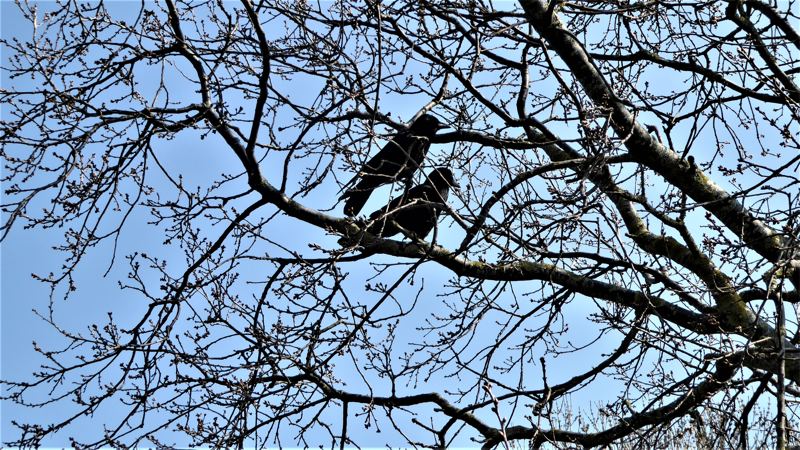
(397, 160)
(417, 211)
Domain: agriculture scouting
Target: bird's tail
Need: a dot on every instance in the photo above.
(356, 199)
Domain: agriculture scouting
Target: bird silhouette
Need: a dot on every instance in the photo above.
(417, 210)
(397, 160)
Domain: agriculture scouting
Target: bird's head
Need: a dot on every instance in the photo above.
(426, 125)
(442, 177)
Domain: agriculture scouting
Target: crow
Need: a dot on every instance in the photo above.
(397, 160)
(417, 210)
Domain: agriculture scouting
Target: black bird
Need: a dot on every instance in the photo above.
(417, 210)
(397, 160)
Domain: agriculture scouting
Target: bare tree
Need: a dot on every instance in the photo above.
(626, 226)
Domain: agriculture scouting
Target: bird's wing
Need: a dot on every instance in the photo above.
(415, 193)
(393, 155)
(387, 161)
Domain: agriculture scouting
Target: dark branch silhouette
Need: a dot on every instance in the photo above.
(626, 223)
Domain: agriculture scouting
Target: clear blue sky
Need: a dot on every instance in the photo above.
(25, 252)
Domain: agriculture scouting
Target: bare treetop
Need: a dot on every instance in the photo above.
(613, 259)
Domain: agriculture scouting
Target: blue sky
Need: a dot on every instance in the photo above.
(25, 252)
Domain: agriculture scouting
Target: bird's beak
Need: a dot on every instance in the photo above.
(442, 126)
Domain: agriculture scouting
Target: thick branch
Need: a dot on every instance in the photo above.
(643, 147)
